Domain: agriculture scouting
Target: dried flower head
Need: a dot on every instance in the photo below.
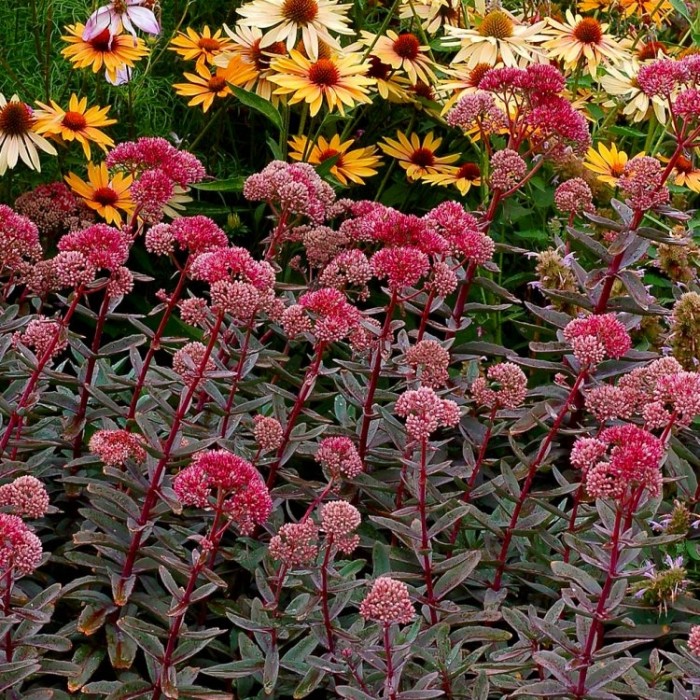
(685, 330)
(661, 587)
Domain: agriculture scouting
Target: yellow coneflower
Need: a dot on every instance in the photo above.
(464, 177)
(498, 37)
(351, 165)
(656, 11)
(18, 137)
(607, 163)
(340, 81)
(77, 123)
(583, 41)
(203, 87)
(203, 48)
(104, 195)
(114, 53)
(685, 173)
(286, 19)
(418, 158)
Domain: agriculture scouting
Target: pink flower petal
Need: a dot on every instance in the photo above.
(144, 19)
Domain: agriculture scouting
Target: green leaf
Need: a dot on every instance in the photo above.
(258, 104)
(231, 184)
(144, 635)
(682, 9)
(577, 575)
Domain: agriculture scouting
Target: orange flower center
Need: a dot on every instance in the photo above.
(423, 90)
(15, 119)
(216, 83)
(324, 73)
(261, 58)
(331, 153)
(684, 165)
(477, 73)
(105, 196)
(207, 44)
(378, 69)
(74, 121)
(588, 31)
(102, 42)
(469, 171)
(423, 157)
(407, 46)
(448, 13)
(497, 24)
(651, 50)
(300, 11)
(616, 169)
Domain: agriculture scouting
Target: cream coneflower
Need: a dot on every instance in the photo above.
(607, 163)
(498, 37)
(18, 138)
(464, 177)
(621, 83)
(77, 123)
(417, 158)
(114, 53)
(340, 80)
(351, 165)
(203, 48)
(583, 41)
(403, 52)
(286, 19)
(245, 43)
(432, 14)
(104, 195)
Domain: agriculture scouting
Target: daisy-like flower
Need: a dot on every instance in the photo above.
(351, 165)
(388, 87)
(656, 11)
(113, 52)
(463, 177)
(104, 195)
(462, 81)
(121, 13)
(203, 48)
(498, 37)
(585, 41)
(607, 163)
(203, 87)
(286, 19)
(403, 52)
(432, 14)
(339, 80)
(245, 43)
(595, 5)
(417, 158)
(77, 123)
(621, 82)
(685, 173)
(18, 137)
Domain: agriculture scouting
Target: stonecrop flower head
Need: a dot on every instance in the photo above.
(388, 602)
(429, 361)
(42, 335)
(20, 548)
(190, 364)
(19, 243)
(507, 169)
(104, 247)
(325, 313)
(596, 337)
(401, 266)
(339, 456)
(115, 447)
(620, 460)
(425, 412)
(246, 500)
(268, 432)
(295, 544)
(574, 196)
(26, 496)
(296, 189)
(694, 640)
(642, 182)
(339, 520)
(505, 386)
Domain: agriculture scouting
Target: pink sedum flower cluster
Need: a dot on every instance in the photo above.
(425, 412)
(339, 457)
(388, 602)
(26, 496)
(595, 338)
(505, 386)
(246, 500)
(20, 548)
(116, 447)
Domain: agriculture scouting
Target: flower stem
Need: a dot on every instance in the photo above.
(426, 549)
(324, 595)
